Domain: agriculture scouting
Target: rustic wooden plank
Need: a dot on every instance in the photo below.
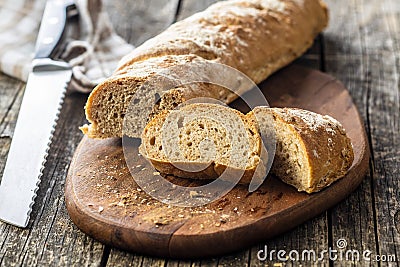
(382, 48)
(120, 258)
(9, 119)
(10, 89)
(10, 96)
(343, 59)
(51, 237)
(178, 263)
(311, 235)
(362, 50)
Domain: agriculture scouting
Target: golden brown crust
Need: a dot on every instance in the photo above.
(251, 36)
(211, 172)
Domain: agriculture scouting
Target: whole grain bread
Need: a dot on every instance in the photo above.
(200, 141)
(312, 151)
(256, 37)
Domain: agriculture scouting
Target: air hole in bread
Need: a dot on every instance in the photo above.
(152, 141)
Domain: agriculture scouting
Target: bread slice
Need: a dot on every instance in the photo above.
(256, 37)
(200, 141)
(312, 150)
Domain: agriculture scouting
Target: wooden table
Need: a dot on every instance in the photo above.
(361, 48)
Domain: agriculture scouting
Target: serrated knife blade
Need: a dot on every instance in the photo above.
(37, 118)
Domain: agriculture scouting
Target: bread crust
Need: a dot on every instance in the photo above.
(328, 149)
(322, 139)
(257, 37)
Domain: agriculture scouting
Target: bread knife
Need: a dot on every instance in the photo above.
(44, 93)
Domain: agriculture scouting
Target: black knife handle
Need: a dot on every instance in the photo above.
(52, 27)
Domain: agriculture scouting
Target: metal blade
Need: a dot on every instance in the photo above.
(32, 136)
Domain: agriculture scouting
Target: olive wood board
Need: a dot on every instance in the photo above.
(104, 201)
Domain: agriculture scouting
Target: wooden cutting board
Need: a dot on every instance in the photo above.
(104, 201)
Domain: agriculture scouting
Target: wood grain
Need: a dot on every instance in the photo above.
(366, 58)
(105, 202)
(51, 237)
(381, 59)
(346, 63)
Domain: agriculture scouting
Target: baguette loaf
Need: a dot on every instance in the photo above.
(257, 37)
(312, 150)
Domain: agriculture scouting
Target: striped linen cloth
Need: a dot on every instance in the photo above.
(93, 55)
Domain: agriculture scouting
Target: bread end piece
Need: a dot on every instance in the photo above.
(313, 150)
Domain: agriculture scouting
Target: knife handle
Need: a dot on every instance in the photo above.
(52, 27)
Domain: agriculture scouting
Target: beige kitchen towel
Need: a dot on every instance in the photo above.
(93, 54)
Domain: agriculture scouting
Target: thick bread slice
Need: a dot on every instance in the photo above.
(312, 150)
(196, 142)
(256, 37)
